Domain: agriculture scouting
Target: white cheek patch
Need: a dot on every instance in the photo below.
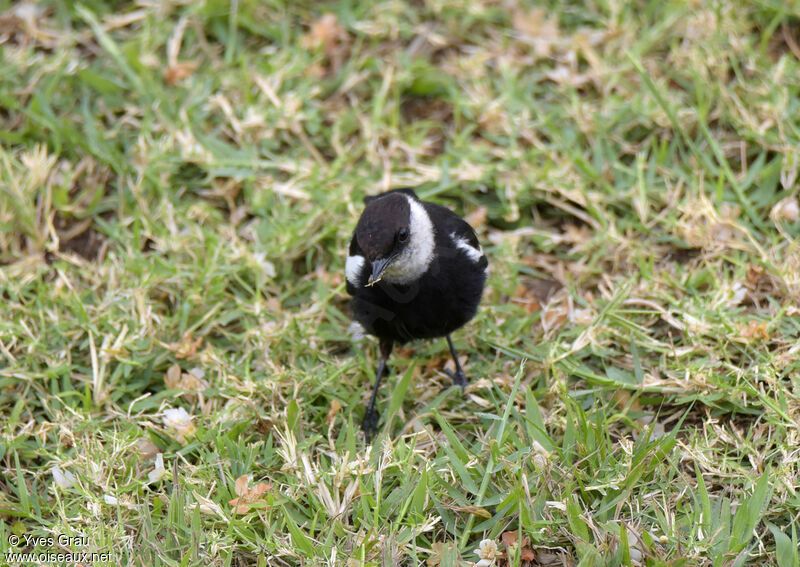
(352, 268)
(418, 254)
(475, 254)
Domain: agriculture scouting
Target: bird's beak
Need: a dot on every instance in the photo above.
(378, 269)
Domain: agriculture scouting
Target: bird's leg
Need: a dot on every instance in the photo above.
(459, 378)
(370, 423)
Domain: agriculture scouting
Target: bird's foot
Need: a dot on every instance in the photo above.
(370, 424)
(459, 378)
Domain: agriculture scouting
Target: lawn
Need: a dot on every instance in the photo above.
(178, 185)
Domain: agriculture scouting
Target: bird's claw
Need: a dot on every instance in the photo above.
(369, 425)
(458, 377)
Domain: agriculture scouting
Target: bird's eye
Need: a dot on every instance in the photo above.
(402, 234)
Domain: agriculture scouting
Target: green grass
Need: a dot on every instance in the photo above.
(178, 184)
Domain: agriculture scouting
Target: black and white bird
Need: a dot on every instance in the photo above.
(416, 271)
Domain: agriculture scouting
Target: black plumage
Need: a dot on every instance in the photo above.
(415, 270)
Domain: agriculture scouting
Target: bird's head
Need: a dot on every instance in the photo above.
(396, 236)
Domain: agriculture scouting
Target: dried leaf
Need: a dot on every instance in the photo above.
(553, 317)
(477, 218)
(246, 495)
(540, 455)
(328, 278)
(754, 274)
(240, 485)
(754, 330)
(260, 489)
(577, 234)
(539, 31)
(622, 397)
(193, 380)
(186, 347)
(328, 34)
(11, 24)
(438, 549)
(335, 407)
(510, 538)
(147, 449)
(314, 71)
(437, 363)
(175, 73)
(787, 209)
(189, 382)
(551, 559)
(474, 510)
(173, 377)
(527, 298)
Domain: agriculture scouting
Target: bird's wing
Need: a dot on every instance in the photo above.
(456, 233)
(463, 230)
(465, 240)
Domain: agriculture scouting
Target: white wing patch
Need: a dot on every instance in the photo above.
(356, 331)
(352, 268)
(475, 254)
